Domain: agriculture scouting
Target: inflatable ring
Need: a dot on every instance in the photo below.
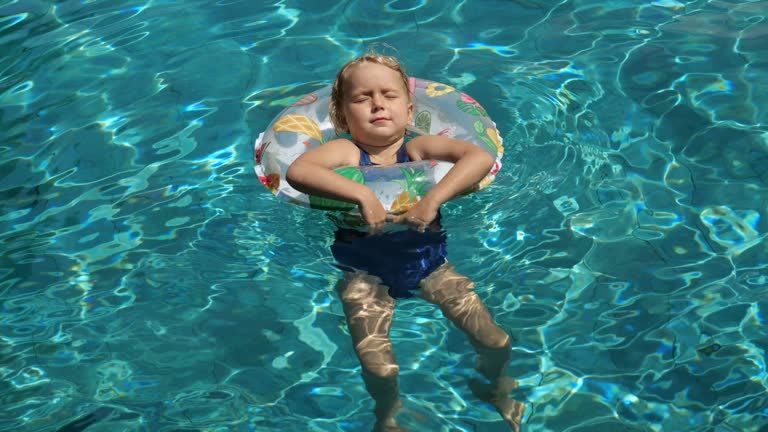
(439, 109)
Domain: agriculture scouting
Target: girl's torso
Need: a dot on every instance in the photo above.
(402, 259)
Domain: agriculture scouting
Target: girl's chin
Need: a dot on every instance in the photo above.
(376, 142)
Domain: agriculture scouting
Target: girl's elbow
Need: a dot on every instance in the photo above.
(486, 160)
(293, 175)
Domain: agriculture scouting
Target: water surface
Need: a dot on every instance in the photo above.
(148, 282)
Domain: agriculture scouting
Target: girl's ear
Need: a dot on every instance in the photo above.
(410, 112)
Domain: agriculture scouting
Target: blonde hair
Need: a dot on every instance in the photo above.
(335, 109)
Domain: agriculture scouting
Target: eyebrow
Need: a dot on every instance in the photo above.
(367, 90)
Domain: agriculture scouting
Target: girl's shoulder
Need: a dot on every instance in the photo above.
(342, 148)
(438, 147)
(418, 146)
(332, 154)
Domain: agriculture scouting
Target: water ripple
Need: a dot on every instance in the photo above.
(147, 280)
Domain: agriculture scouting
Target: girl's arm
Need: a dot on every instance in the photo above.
(312, 173)
(471, 164)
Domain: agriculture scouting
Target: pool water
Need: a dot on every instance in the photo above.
(149, 282)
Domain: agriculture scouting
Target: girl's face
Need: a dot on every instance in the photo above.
(377, 107)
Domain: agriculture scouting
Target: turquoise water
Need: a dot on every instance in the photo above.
(149, 282)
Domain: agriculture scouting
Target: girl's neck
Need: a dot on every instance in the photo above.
(382, 155)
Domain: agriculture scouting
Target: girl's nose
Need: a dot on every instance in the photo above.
(376, 101)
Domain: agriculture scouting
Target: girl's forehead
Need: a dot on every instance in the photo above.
(368, 72)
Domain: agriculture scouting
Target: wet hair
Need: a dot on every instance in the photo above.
(336, 111)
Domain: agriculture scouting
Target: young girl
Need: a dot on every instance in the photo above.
(371, 101)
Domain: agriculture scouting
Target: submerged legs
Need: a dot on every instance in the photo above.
(455, 295)
(368, 308)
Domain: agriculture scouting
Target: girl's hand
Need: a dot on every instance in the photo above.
(373, 213)
(419, 216)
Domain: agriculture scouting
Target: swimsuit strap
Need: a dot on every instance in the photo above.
(365, 158)
(402, 155)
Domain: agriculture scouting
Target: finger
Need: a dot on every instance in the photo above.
(414, 221)
(373, 219)
(377, 225)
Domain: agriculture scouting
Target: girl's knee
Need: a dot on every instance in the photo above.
(380, 370)
(493, 338)
(379, 362)
(377, 358)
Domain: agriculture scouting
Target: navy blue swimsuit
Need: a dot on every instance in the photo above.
(402, 259)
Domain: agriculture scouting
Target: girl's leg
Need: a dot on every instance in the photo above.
(455, 295)
(369, 308)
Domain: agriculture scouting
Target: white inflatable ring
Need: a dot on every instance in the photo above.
(439, 109)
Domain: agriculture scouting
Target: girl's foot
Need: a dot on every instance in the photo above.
(497, 394)
(385, 418)
(393, 427)
(511, 410)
